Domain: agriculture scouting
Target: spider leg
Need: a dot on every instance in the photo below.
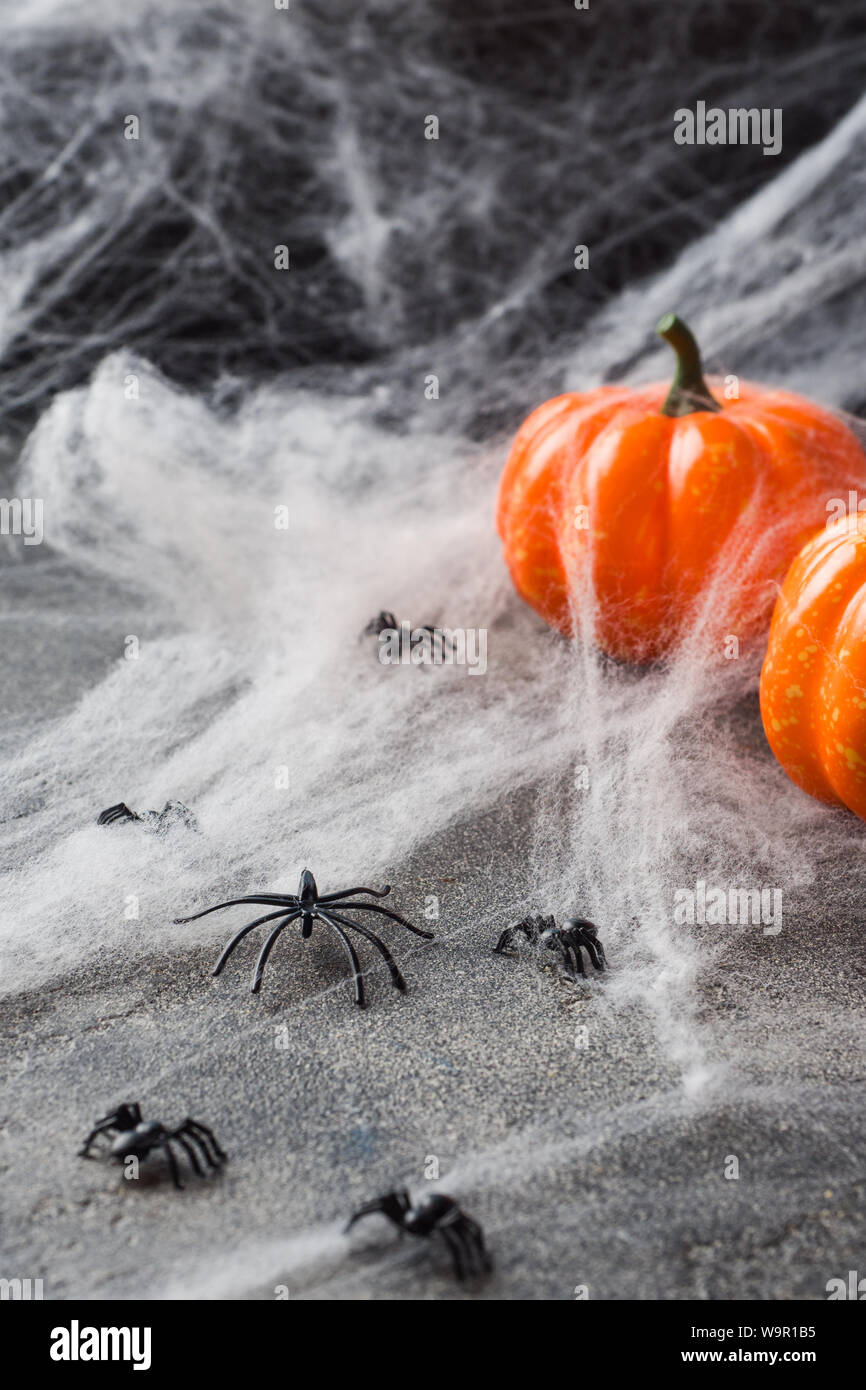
(266, 899)
(596, 952)
(396, 977)
(118, 1119)
(190, 1153)
(504, 941)
(387, 912)
(348, 892)
(172, 1163)
(353, 957)
(587, 934)
(458, 1228)
(196, 1128)
(474, 1258)
(119, 812)
(474, 1239)
(381, 623)
(573, 957)
(196, 1139)
(84, 1151)
(266, 951)
(269, 917)
(188, 1132)
(590, 950)
(394, 1205)
(458, 1253)
(529, 928)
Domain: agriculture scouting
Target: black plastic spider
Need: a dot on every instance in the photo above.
(383, 622)
(435, 1214)
(137, 1138)
(172, 813)
(386, 622)
(575, 932)
(310, 906)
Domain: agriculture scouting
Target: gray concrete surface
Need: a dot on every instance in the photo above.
(587, 1166)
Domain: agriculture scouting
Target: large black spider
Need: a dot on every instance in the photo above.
(435, 1214)
(310, 906)
(386, 622)
(137, 1138)
(172, 813)
(575, 932)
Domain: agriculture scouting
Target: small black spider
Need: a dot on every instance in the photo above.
(310, 906)
(137, 1138)
(567, 940)
(383, 622)
(435, 1214)
(386, 622)
(172, 813)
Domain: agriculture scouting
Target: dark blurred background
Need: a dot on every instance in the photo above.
(306, 128)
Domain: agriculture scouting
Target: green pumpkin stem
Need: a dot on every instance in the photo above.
(689, 392)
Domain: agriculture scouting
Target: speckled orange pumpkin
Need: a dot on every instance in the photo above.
(813, 684)
(640, 514)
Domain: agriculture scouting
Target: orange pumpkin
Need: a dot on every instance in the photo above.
(634, 513)
(813, 683)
